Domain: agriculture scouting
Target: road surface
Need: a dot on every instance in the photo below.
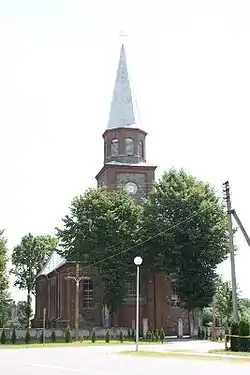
(107, 361)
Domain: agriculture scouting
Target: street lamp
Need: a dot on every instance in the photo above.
(137, 262)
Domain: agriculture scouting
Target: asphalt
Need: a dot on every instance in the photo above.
(107, 361)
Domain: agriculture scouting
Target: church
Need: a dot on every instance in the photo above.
(124, 163)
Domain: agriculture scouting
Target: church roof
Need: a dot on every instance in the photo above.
(123, 111)
(55, 261)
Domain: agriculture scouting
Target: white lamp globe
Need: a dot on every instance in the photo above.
(138, 261)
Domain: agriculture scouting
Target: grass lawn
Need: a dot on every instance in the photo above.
(187, 356)
(62, 343)
(228, 352)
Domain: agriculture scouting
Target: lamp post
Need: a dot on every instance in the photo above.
(137, 262)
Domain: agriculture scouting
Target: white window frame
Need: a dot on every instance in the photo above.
(87, 293)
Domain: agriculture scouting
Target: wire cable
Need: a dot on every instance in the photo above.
(147, 240)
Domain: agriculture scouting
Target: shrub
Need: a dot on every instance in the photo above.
(148, 335)
(152, 335)
(162, 335)
(205, 334)
(41, 338)
(53, 336)
(243, 331)
(68, 337)
(234, 340)
(93, 335)
(121, 335)
(227, 338)
(133, 334)
(129, 334)
(27, 337)
(13, 336)
(107, 336)
(3, 338)
(156, 335)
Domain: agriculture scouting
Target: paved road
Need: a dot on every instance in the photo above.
(106, 361)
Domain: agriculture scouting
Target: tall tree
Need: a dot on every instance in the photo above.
(4, 295)
(193, 238)
(100, 225)
(28, 258)
(23, 313)
(5, 307)
(3, 262)
(224, 303)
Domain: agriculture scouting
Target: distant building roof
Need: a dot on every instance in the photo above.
(123, 111)
(55, 261)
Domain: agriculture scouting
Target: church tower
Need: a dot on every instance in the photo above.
(125, 141)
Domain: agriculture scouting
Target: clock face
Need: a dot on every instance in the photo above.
(131, 187)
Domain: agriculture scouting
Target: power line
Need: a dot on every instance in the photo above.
(146, 241)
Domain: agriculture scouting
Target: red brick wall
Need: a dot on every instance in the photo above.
(157, 308)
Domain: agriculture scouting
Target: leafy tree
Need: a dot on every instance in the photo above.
(101, 224)
(246, 302)
(207, 316)
(24, 311)
(3, 263)
(224, 303)
(5, 307)
(192, 250)
(28, 258)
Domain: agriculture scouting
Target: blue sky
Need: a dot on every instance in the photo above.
(189, 61)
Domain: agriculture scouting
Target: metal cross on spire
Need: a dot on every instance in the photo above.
(123, 35)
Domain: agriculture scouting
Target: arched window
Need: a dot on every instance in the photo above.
(115, 147)
(87, 293)
(141, 149)
(129, 147)
(105, 150)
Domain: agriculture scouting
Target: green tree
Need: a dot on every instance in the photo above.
(3, 262)
(5, 307)
(28, 258)
(24, 311)
(193, 237)
(224, 303)
(100, 225)
(207, 316)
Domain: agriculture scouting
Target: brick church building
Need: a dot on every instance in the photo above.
(124, 163)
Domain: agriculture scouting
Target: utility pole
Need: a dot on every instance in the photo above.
(77, 280)
(231, 243)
